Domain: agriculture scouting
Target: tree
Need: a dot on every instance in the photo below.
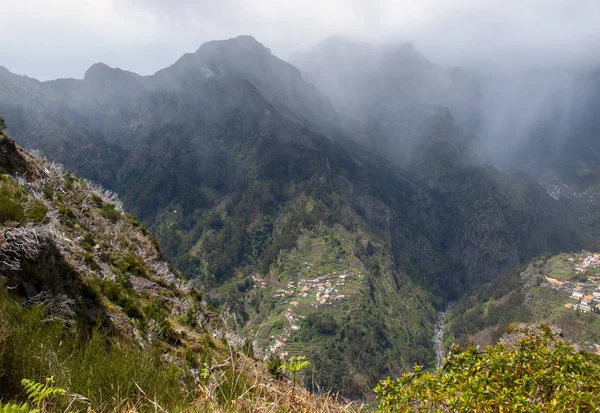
(294, 365)
(538, 374)
(2, 125)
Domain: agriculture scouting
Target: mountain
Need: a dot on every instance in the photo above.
(320, 241)
(76, 268)
(538, 120)
(392, 91)
(88, 303)
(559, 290)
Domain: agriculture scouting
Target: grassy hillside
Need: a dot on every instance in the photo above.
(87, 299)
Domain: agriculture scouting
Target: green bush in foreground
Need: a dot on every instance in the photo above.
(538, 374)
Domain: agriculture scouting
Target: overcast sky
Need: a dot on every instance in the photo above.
(48, 39)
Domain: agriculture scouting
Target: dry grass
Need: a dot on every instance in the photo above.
(259, 398)
(241, 384)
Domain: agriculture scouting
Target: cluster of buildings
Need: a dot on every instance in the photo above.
(587, 262)
(586, 294)
(321, 290)
(282, 339)
(563, 190)
(258, 281)
(587, 301)
(559, 190)
(325, 288)
(288, 291)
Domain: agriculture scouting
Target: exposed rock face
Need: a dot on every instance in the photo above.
(531, 278)
(66, 243)
(11, 160)
(524, 330)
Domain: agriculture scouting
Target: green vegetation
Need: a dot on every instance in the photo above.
(16, 206)
(490, 307)
(232, 193)
(40, 395)
(109, 211)
(2, 125)
(522, 295)
(538, 374)
(103, 368)
(294, 365)
(101, 372)
(88, 300)
(10, 211)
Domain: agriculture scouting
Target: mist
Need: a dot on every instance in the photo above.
(511, 73)
(59, 39)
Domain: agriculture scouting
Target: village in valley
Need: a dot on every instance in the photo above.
(583, 286)
(309, 292)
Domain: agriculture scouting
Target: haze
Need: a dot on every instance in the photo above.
(62, 38)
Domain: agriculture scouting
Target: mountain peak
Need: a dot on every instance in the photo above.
(101, 74)
(239, 43)
(98, 70)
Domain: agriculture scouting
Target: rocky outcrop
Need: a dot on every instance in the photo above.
(11, 160)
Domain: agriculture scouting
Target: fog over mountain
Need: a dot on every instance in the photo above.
(63, 38)
(505, 108)
(517, 61)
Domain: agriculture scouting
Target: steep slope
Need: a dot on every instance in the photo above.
(488, 220)
(66, 244)
(64, 236)
(563, 149)
(319, 245)
(226, 164)
(560, 290)
(87, 299)
(245, 58)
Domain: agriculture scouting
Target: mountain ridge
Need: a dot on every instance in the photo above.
(240, 181)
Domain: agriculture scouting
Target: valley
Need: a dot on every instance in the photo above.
(438, 336)
(332, 228)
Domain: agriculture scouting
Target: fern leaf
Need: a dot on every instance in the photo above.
(14, 408)
(39, 393)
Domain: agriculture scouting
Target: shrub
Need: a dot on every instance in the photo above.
(119, 296)
(67, 212)
(69, 180)
(294, 365)
(109, 212)
(10, 211)
(97, 200)
(36, 212)
(131, 264)
(88, 242)
(274, 366)
(48, 192)
(89, 260)
(539, 374)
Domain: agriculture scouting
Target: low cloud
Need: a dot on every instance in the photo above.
(62, 38)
